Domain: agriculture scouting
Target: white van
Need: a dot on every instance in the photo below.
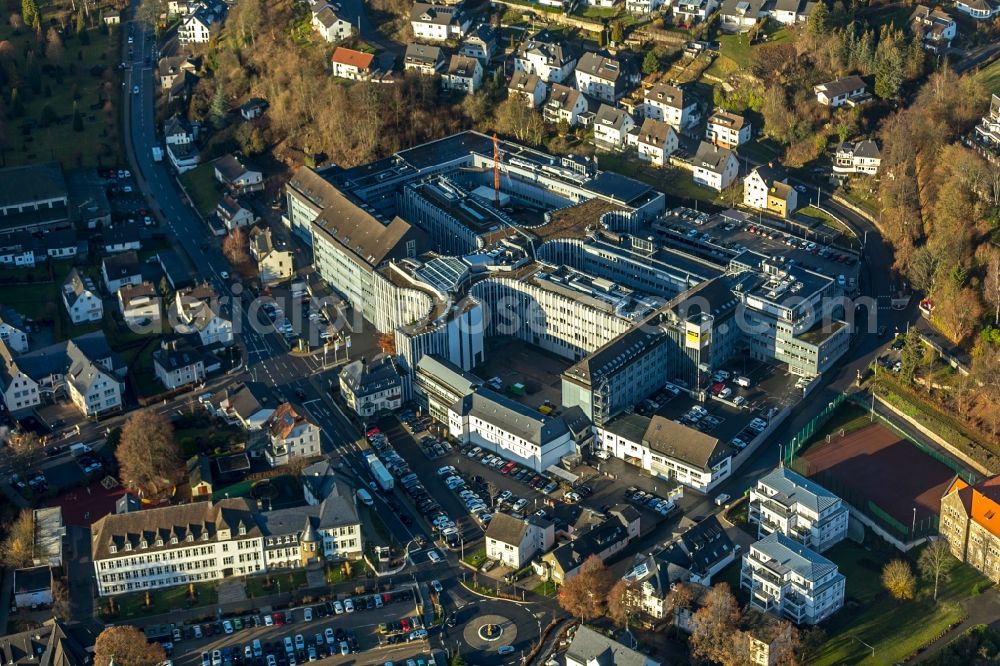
(364, 497)
(743, 381)
(79, 449)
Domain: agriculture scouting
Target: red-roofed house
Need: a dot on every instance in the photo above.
(970, 521)
(351, 64)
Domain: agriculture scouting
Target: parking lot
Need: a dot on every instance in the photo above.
(302, 634)
(685, 227)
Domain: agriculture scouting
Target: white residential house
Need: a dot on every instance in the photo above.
(179, 139)
(667, 450)
(656, 141)
(857, 157)
(84, 368)
(767, 188)
(196, 310)
(121, 237)
(514, 542)
(689, 12)
(233, 214)
(644, 7)
(790, 504)
(790, 12)
(510, 429)
(275, 261)
(201, 25)
(464, 74)
(988, 128)
(80, 298)
(236, 176)
(350, 64)
(372, 387)
(742, 15)
(139, 304)
(248, 405)
(12, 336)
(423, 58)
(715, 167)
(935, 27)
(695, 553)
(564, 103)
(788, 579)
(672, 105)
(611, 128)
(980, 10)
(480, 43)
(849, 90)
(332, 24)
(178, 364)
(120, 270)
(727, 130)
(603, 78)
(438, 23)
(528, 87)
(545, 55)
(291, 434)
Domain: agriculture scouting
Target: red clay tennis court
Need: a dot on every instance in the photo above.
(876, 464)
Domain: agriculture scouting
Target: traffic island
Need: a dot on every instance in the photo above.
(484, 632)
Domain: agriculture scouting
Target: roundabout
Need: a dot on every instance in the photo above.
(486, 632)
(484, 626)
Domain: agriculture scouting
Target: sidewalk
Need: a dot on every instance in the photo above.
(981, 609)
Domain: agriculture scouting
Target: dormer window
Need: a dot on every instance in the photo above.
(189, 538)
(204, 536)
(128, 545)
(173, 539)
(159, 543)
(243, 530)
(112, 549)
(143, 544)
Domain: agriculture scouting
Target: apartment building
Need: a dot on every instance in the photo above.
(196, 310)
(672, 105)
(547, 56)
(603, 78)
(564, 104)
(291, 434)
(786, 578)
(139, 304)
(527, 86)
(715, 167)
(970, 522)
(177, 363)
(786, 502)
(514, 542)
(84, 369)
(369, 388)
(727, 130)
(439, 23)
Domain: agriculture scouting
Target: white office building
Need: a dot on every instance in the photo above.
(509, 429)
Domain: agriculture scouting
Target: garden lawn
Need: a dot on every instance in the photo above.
(736, 53)
(476, 558)
(205, 191)
(990, 76)
(48, 94)
(256, 586)
(161, 601)
(896, 629)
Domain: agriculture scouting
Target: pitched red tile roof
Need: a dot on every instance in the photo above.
(352, 58)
